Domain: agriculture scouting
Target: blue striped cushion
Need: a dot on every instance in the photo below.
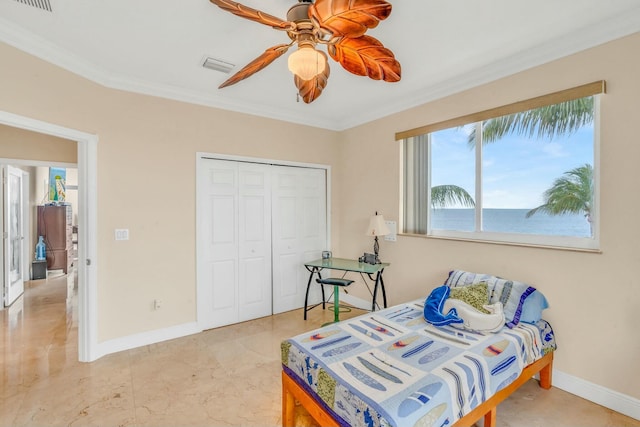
(512, 294)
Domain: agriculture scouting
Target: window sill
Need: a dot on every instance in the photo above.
(495, 242)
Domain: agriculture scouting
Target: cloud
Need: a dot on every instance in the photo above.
(555, 150)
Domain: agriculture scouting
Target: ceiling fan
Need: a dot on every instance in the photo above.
(338, 24)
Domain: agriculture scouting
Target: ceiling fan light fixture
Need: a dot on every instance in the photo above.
(307, 62)
(338, 24)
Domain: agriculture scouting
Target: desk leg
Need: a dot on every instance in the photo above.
(375, 292)
(379, 282)
(324, 300)
(384, 293)
(306, 296)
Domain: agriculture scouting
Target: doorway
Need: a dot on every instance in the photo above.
(27, 219)
(88, 349)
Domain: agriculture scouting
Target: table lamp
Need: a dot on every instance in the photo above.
(377, 227)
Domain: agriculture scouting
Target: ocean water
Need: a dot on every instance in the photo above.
(511, 221)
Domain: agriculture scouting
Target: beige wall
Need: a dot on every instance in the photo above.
(146, 183)
(595, 298)
(146, 180)
(25, 145)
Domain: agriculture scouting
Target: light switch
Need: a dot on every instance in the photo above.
(392, 236)
(122, 234)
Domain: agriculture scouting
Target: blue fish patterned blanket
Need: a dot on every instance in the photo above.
(391, 368)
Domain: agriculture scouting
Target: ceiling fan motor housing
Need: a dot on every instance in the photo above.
(299, 12)
(305, 32)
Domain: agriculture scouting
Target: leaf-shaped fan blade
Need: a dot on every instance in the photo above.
(366, 56)
(349, 18)
(257, 64)
(254, 15)
(310, 90)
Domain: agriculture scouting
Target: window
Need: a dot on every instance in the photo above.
(525, 173)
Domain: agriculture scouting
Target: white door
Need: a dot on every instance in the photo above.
(299, 232)
(254, 236)
(13, 235)
(234, 242)
(217, 243)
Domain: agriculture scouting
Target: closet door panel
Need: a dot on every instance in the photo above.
(223, 275)
(217, 244)
(286, 280)
(299, 234)
(255, 241)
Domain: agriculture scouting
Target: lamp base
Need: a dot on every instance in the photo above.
(376, 248)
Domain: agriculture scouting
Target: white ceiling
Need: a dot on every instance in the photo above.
(156, 47)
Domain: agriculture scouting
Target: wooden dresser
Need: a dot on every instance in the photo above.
(55, 225)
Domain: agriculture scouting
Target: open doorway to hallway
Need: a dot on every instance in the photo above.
(40, 224)
(85, 148)
(46, 306)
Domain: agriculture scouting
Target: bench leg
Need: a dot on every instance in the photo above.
(288, 407)
(490, 418)
(545, 376)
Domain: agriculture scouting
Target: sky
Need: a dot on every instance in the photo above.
(516, 170)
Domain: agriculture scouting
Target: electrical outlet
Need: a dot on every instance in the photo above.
(157, 304)
(122, 234)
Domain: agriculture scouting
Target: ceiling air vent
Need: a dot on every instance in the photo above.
(40, 4)
(217, 64)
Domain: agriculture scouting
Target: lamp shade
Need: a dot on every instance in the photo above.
(306, 62)
(377, 226)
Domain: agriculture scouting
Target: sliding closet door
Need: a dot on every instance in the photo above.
(234, 242)
(299, 232)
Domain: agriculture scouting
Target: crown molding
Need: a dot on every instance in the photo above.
(585, 38)
(611, 29)
(30, 43)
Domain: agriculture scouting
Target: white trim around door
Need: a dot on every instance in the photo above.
(88, 349)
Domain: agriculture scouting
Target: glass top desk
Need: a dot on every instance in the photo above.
(347, 265)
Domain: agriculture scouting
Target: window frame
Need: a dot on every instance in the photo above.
(521, 239)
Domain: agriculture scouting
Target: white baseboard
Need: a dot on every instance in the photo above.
(146, 338)
(595, 393)
(360, 303)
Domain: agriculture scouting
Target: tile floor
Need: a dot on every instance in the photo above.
(223, 377)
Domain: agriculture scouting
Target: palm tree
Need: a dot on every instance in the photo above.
(571, 193)
(564, 118)
(549, 121)
(446, 195)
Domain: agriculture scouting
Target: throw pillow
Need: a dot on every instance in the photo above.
(473, 320)
(533, 307)
(475, 295)
(511, 294)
